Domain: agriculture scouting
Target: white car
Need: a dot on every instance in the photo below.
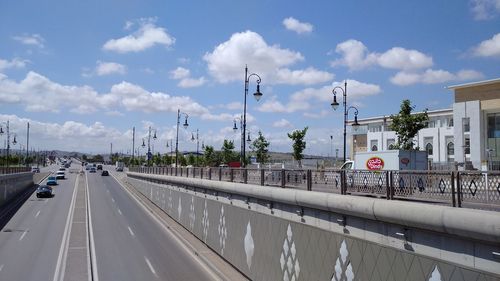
(60, 175)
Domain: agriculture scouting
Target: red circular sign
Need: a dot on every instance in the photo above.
(375, 164)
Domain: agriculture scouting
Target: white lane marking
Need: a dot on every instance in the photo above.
(112, 199)
(182, 243)
(22, 235)
(1, 267)
(38, 213)
(120, 212)
(151, 266)
(95, 275)
(63, 249)
(130, 230)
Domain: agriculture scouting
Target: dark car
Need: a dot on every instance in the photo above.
(104, 173)
(99, 167)
(44, 191)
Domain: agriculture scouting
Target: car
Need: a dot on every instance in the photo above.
(60, 175)
(104, 173)
(99, 167)
(51, 180)
(92, 170)
(35, 169)
(44, 191)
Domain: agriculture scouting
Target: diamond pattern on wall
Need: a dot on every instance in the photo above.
(249, 245)
(435, 275)
(179, 208)
(289, 261)
(192, 215)
(343, 268)
(205, 222)
(222, 230)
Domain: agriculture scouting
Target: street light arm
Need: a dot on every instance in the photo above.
(254, 74)
(339, 88)
(353, 107)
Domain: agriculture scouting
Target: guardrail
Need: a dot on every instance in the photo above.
(455, 188)
(13, 170)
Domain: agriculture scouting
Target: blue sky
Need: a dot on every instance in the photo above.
(83, 73)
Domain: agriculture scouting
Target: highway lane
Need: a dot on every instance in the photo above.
(30, 242)
(129, 244)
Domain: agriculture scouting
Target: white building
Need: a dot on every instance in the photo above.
(467, 134)
(437, 139)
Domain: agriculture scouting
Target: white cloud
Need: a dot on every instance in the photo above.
(147, 36)
(68, 136)
(485, 9)
(30, 39)
(184, 75)
(14, 63)
(488, 48)
(191, 82)
(107, 68)
(355, 56)
(227, 62)
(297, 26)
(179, 73)
(282, 123)
(234, 106)
(301, 100)
(275, 106)
(431, 76)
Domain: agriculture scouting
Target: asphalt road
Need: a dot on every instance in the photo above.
(129, 243)
(31, 240)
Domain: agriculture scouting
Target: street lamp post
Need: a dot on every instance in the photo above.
(242, 137)
(185, 125)
(149, 154)
(8, 139)
(335, 105)
(197, 144)
(257, 96)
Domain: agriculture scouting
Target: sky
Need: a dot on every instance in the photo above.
(84, 73)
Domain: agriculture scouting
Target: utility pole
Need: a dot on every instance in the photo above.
(111, 153)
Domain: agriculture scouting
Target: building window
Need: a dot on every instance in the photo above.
(374, 145)
(390, 144)
(374, 148)
(450, 122)
(467, 145)
(428, 148)
(466, 124)
(430, 124)
(450, 149)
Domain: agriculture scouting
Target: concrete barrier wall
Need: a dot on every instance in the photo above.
(278, 234)
(14, 184)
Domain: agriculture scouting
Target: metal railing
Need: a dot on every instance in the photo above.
(454, 188)
(13, 170)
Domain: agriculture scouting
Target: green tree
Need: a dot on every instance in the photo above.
(406, 125)
(299, 144)
(191, 160)
(260, 148)
(228, 155)
(209, 155)
(157, 159)
(182, 160)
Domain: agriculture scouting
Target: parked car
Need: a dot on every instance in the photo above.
(60, 175)
(44, 191)
(104, 173)
(51, 180)
(35, 170)
(92, 170)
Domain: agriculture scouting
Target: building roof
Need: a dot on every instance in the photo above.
(474, 84)
(431, 113)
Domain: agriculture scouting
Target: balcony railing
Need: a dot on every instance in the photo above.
(454, 188)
